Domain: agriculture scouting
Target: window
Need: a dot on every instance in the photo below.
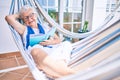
(72, 15)
(72, 12)
(111, 5)
(51, 6)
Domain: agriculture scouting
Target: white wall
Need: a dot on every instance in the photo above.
(99, 13)
(6, 41)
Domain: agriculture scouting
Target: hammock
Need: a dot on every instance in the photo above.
(80, 47)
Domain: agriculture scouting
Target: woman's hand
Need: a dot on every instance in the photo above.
(47, 42)
(51, 41)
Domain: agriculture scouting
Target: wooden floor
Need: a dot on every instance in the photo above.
(13, 60)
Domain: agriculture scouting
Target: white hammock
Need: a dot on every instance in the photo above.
(38, 75)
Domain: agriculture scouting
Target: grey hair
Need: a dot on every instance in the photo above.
(25, 8)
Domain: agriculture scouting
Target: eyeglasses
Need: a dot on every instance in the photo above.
(26, 18)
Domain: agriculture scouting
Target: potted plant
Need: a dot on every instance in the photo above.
(85, 27)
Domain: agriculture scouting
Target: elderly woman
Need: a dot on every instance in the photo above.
(52, 60)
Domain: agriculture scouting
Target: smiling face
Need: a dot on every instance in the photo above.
(30, 18)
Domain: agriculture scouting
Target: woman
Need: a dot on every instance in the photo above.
(52, 60)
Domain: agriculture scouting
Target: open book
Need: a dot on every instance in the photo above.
(36, 39)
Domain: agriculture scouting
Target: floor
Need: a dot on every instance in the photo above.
(12, 60)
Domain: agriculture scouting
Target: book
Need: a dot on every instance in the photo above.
(36, 39)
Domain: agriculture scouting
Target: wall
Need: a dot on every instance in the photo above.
(99, 13)
(7, 43)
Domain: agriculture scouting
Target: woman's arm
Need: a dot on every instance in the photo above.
(13, 21)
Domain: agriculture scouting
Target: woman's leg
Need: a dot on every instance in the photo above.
(49, 65)
(39, 55)
(58, 66)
